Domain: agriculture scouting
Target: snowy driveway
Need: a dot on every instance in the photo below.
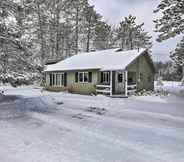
(49, 127)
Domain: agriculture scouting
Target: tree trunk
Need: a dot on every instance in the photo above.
(88, 41)
(88, 34)
(41, 32)
(77, 31)
(58, 35)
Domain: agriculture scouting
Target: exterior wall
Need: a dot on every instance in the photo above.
(73, 87)
(141, 66)
(82, 88)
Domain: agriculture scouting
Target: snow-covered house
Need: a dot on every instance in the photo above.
(111, 72)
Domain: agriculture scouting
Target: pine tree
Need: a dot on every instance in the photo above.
(36, 24)
(56, 27)
(178, 56)
(91, 21)
(171, 23)
(75, 11)
(132, 36)
(103, 36)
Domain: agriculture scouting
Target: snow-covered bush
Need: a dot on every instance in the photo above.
(182, 81)
(160, 82)
(17, 79)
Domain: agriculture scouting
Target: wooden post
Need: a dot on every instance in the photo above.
(126, 84)
(110, 83)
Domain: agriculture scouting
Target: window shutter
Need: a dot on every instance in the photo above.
(65, 79)
(90, 77)
(76, 77)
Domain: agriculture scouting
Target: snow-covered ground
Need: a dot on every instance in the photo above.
(40, 126)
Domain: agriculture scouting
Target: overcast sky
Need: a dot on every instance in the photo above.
(114, 11)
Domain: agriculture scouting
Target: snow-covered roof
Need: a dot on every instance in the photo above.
(112, 59)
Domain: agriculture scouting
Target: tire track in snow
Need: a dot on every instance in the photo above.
(112, 140)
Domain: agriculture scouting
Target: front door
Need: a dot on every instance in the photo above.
(119, 82)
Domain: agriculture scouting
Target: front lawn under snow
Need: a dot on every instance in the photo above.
(38, 126)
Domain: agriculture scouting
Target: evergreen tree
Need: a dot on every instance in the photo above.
(36, 24)
(75, 11)
(15, 54)
(91, 22)
(103, 36)
(171, 24)
(178, 56)
(132, 36)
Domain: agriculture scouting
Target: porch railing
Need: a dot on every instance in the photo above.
(131, 89)
(104, 89)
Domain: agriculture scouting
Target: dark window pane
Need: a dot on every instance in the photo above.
(80, 77)
(65, 79)
(108, 77)
(120, 78)
(86, 77)
(53, 80)
(102, 80)
(50, 79)
(90, 77)
(76, 77)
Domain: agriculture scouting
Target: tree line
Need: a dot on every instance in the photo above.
(34, 31)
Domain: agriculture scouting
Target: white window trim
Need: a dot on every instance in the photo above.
(57, 81)
(83, 74)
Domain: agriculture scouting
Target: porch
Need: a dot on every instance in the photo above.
(117, 83)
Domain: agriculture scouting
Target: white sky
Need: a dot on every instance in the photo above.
(114, 11)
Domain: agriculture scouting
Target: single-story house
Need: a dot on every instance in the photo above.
(111, 72)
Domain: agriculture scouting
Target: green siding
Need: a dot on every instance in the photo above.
(142, 66)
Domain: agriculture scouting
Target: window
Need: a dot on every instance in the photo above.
(50, 80)
(86, 77)
(83, 77)
(57, 79)
(120, 77)
(130, 80)
(105, 77)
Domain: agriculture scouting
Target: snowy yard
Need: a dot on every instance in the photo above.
(38, 126)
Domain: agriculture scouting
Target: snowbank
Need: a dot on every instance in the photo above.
(170, 87)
